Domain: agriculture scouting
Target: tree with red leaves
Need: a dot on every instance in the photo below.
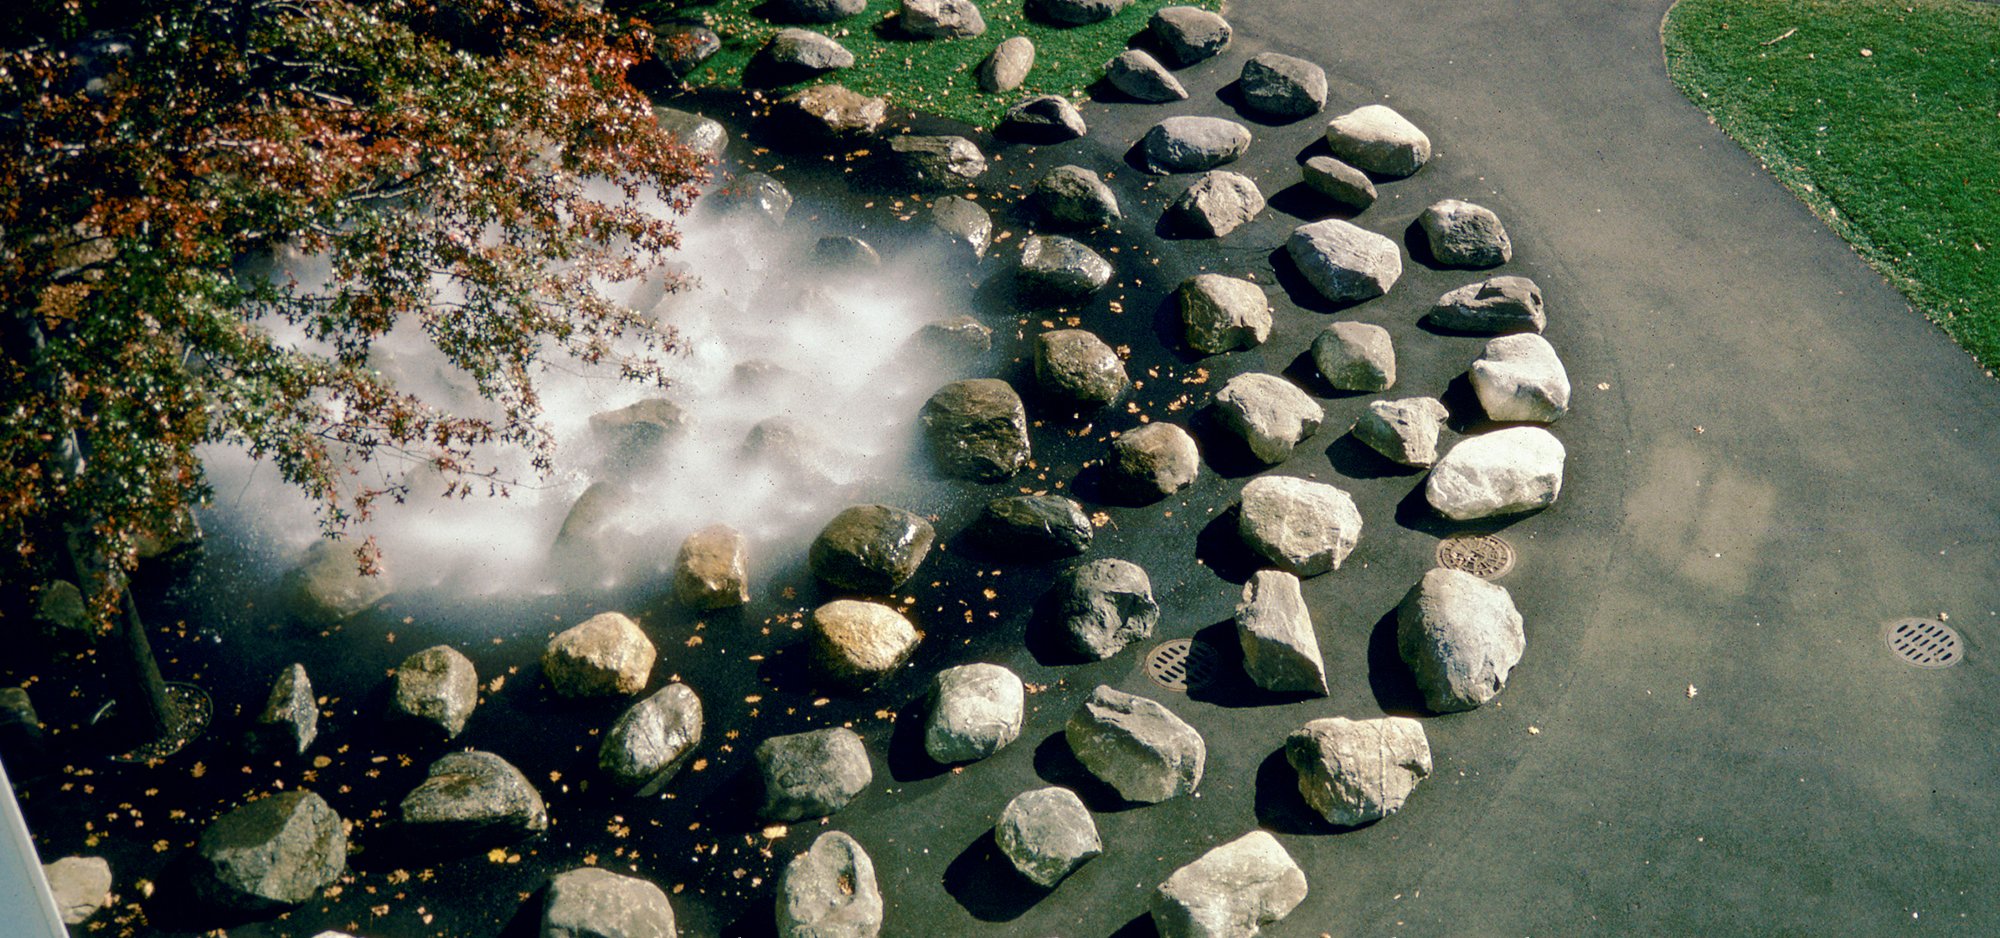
(480, 170)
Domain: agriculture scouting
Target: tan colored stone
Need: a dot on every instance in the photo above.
(712, 571)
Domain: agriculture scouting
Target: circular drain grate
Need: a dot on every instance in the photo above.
(1925, 643)
(1181, 663)
(1483, 555)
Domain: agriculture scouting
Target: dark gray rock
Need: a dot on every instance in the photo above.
(1075, 12)
(81, 887)
(1223, 314)
(1461, 637)
(1345, 262)
(1188, 34)
(697, 133)
(652, 740)
(829, 891)
(1280, 648)
(1355, 356)
(1143, 77)
(936, 162)
(1404, 431)
(1071, 197)
(329, 585)
(977, 429)
(1271, 414)
(1048, 118)
(961, 221)
(1035, 526)
(1499, 473)
(682, 47)
(1340, 182)
(1136, 745)
(21, 738)
(1047, 833)
(811, 774)
(471, 800)
(846, 252)
(1152, 461)
(588, 902)
(637, 429)
(1193, 144)
(870, 548)
(1282, 86)
(858, 643)
(816, 11)
(975, 710)
(795, 55)
(290, 721)
(1376, 139)
(64, 615)
(603, 656)
(437, 687)
(1217, 204)
(1491, 307)
(1520, 378)
(1301, 526)
(836, 113)
(1007, 67)
(956, 341)
(1076, 366)
(1232, 891)
(941, 19)
(1358, 771)
(757, 195)
(271, 854)
(1105, 605)
(1462, 234)
(712, 569)
(1057, 268)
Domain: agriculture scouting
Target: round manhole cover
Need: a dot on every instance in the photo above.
(1924, 643)
(1483, 555)
(1181, 663)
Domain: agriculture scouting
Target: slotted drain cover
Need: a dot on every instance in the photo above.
(1925, 643)
(1181, 663)
(1483, 555)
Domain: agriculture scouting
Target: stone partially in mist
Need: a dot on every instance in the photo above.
(870, 548)
(712, 569)
(329, 585)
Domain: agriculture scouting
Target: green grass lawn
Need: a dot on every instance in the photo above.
(934, 76)
(1884, 117)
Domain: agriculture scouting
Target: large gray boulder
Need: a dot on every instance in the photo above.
(1301, 526)
(836, 112)
(1217, 204)
(870, 548)
(1046, 833)
(1143, 77)
(1035, 527)
(811, 774)
(829, 891)
(438, 687)
(1462, 234)
(1105, 605)
(1280, 648)
(1520, 377)
(1193, 144)
(1152, 461)
(1271, 414)
(1188, 34)
(797, 54)
(700, 134)
(588, 902)
(942, 19)
(652, 740)
(1498, 473)
(1076, 366)
(1061, 269)
(712, 568)
(977, 429)
(271, 854)
(960, 222)
(1357, 771)
(817, 11)
(859, 643)
(1136, 746)
(329, 585)
(1376, 139)
(1404, 431)
(1071, 197)
(975, 710)
(1075, 12)
(640, 427)
(602, 656)
(936, 162)
(954, 341)
(1345, 262)
(1223, 314)
(1007, 67)
(1338, 181)
(1461, 637)
(474, 799)
(1232, 891)
(1356, 356)
(81, 887)
(1495, 306)
(1282, 86)
(290, 720)
(1047, 118)
(591, 534)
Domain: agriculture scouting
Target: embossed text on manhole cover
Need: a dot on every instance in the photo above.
(1180, 664)
(1925, 643)
(1483, 555)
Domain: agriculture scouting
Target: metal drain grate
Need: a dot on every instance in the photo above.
(1483, 555)
(1925, 643)
(1180, 664)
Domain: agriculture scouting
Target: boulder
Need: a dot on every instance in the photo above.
(1061, 269)
(1075, 12)
(682, 47)
(1136, 745)
(1193, 144)
(1048, 118)
(588, 902)
(697, 133)
(1358, 771)
(955, 340)
(1105, 605)
(471, 800)
(290, 720)
(1217, 204)
(1404, 431)
(936, 162)
(1491, 307)
(1355, 356)
(640, 427)
(80, 885)
(1280, 648)
(836, 112)
(1007, 67)
(829, 891)
(975, 710)
(1143, 77)
(1462, 234)
(590, 533)
(794, 55)
(712, 569)
(64, 615)
(811, 774)
(1497, 473)
(1152, 461)
(960, 221)
(870, 548)
(1046, 833)
(329, 585)
(1223, 314)
(1376, 139)
(602, 656)
(941, 19)
(816, 11)
(1035, 527)
(756, 195)
(1520, 377)
(652, 739)
(1345, 262)
(1461, 637)
(1188, 34)
(792, 446)
(977, 429)
(1271, 414)
(859, 643)
(1232, 891)
(1071, 197)
(21, 738)
(271, 854)
(436, 686)
(1340, 182)
(1282, 86)
(1075, 365)
(1301, 526)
